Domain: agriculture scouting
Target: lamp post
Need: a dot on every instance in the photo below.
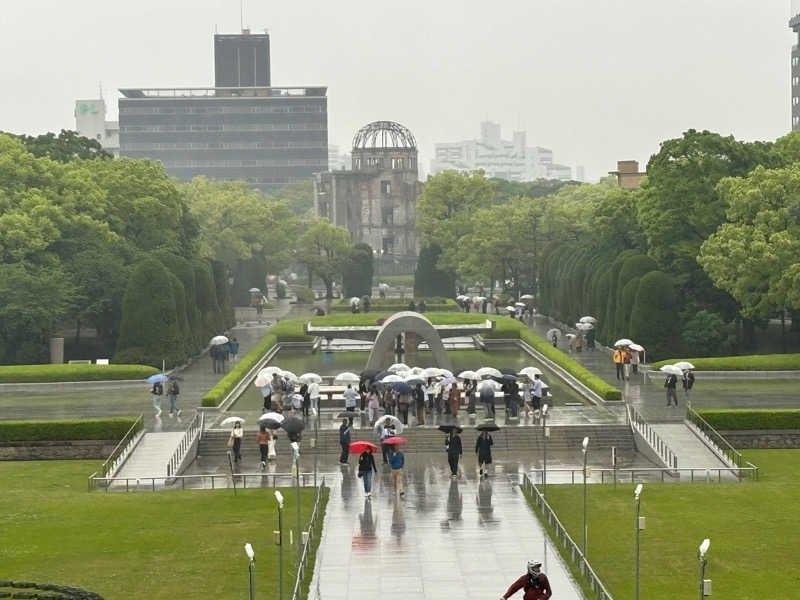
(248, 550)
(584, 448)
(637, 527)
(279, 498)
(702, 569)
(296, 455)
(546, 434)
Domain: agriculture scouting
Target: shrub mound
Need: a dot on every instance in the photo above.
(434, 304)
(756, 362)
(55, 373)
(113, 428)
(752, 418)
(224, 386)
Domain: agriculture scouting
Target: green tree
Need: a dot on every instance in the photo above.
(358, 271)
(429, 281)
(707, 334)
(634, 267)
(66, 147)
(211, 319)
(654, 318)
(323, 248)
(299, 197)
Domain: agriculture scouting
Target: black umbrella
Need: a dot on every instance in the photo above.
(487, 427)
(293, 425)
(448, 428)
(402, 388)
(509, 372)
(347, 414)
(369, 374)
(381, 375)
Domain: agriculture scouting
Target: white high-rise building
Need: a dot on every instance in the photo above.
(505, 159)
(90, 122)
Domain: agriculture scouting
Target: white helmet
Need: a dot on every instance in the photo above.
(534, 568)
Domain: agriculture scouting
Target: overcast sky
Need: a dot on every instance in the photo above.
(595, 80)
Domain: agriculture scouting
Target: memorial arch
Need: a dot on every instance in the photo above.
(417, 328)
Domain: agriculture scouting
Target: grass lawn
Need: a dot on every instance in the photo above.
(61, 404)
(753, 529)
(139, 545)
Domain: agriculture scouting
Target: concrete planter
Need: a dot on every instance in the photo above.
(57, 450)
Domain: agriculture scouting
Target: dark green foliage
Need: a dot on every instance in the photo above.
(654, 319)
(358, 270)
(635, 266)
(505, 190)
(707, 334)
(77, 429)
(65, 147)
(182, 268)
(249, 274)
(51, 373)
(758, 362)
(222, 290)
(625, 306)
(428, 279)
(609, 318)
(180, 311)
(753, 418)
(149, 332)
(210, 317)
(304, 295)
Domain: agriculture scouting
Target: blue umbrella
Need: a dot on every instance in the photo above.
(160, 377)
(402, 388)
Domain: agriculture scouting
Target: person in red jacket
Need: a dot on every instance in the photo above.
(534, 582)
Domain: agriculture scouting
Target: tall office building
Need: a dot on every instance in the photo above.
(90, 122)
(794, 23)
(243, 130)
(241, 60)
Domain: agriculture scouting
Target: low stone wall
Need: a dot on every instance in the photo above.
(763, 438)
(61, 450)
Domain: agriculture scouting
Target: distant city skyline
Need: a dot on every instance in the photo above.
(594, 81)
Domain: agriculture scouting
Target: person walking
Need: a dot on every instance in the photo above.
(687, 381)
(536, 396)
(555, 340)
(387, 431)
(266, 394)
(527, 396)
(455, 398)
(263, 438)
(236, 435)
(344, 441)
(626, 363)
(403, 401)
(362, 395)
(313, 395)
(619, 358)
(366, 467)
(487, 398)
(418, 394)
(454, 451)
(535, 584)
(483, 448)
(173, 389)
(372, 405)
(234, 343)
(306, 400)
(156, 392)
(397, 462)
(634, 360)
(388, 401)
(671, 383)
(350, 399)
(469, 391)
(276, 394)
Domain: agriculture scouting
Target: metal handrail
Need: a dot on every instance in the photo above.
(714, 437)
(573, 552)
(634, 475)
(161, 482)
(193, 430)
(306, 554)
(119, 453)
(637, 421)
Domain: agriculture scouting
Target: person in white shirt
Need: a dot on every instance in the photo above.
(537, 396)
(313, 393)
(350, 398)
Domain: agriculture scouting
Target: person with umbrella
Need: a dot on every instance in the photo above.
(156, 392)
(313, 395)
(455, 398)
(469, 391)
(487, 398)
(687, 381)
(236, 437)
(454, 450)
(344, 441)
(419, 400)
(397, 461)
(619, 360)
(536, 395)
(670, 384)
(276, 393)
(234, 344)
(527, 396)
(534, 583)
(350, 397)
(366, 467)
(483, 448)
(387, 431)
(173, 389)
(372, 405)
(263, 437)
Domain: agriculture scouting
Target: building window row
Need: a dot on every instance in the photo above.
(318, 145)
(378, 163)
(226, 127)
(304, 162)
(218, 110)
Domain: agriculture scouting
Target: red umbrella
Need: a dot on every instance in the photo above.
(362, 446)
(393, 441)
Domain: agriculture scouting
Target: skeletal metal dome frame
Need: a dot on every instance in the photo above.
(384, 135)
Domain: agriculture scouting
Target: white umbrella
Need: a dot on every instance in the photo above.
(584, 326)
(398, 425)
(288, 375)
(491, 383)
(520, 304)
(671, 370)
(293, 276)
(636, 347)
(449, 380)
(218, 340)
(511, 309)
(282, 281)
(230, 420)
(430, 372)
(354, 300)
(268, 371)
(684, 365)
(468, 375)
(623, 342)
(530, 372)
(261, 380)
(416, 370)
(552, 332)
(479, 298)
(591, 320)
(347, 377)
(444, 372)
(488, 372)
(272, 416)
(414, 379)
(571, 336)
(393, 378)
(397, 367)
(383, 286)
(526, 297)
(254, 290)
(310, 378)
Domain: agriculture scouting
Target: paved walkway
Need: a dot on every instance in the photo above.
(151, 455)
(446, 539)
(690, 450)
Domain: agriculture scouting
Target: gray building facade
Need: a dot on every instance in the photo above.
(794, 23)
(241, 60)
(266, 136)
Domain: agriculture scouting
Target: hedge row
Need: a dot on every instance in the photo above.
(55, 373)
(446, 318)
(752, 418)
(758, 362)
(397, 305)
(224, 386)
(73, 429)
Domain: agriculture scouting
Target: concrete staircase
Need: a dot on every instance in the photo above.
(425, 439)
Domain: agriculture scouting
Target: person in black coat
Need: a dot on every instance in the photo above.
(454, 452)
(344, 441)
(483, 448)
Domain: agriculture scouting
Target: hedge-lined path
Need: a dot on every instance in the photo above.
(447, 538)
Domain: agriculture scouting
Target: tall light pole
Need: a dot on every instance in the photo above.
(248, 550)
(637, 527)
(296, 454)
(279, 498)
(702, 569)
(546, 434)
(584, 448)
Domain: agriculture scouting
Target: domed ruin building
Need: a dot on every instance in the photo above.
(376, 200)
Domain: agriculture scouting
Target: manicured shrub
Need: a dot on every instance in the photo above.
(305, 295)
(224, 386)
(75, 429)
(654, 319)
(359, 266)
(223, 293)
(393, 305)
(210, 315)
(626, 302)
(707, 334)
(149, 331)
(290, 330)
(183, 270)
(428, 279)
(752, 418)
(180, 312)
(634, 267)
(52, 373)
(759, 362)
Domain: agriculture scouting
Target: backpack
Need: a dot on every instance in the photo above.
(173, 388)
